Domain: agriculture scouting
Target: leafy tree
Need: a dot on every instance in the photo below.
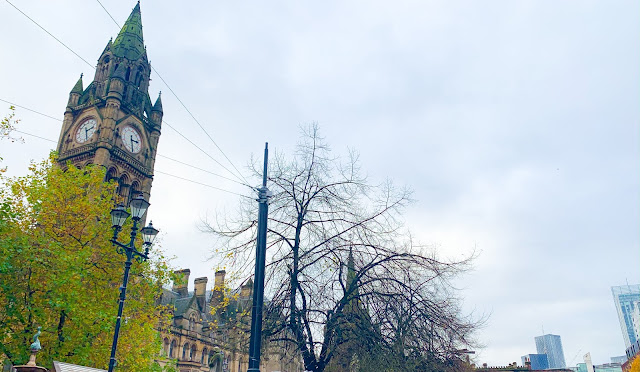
(59, 271)
(7, 126)
(342, 271)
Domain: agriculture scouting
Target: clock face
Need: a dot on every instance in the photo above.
(86, 130)
(131, 139)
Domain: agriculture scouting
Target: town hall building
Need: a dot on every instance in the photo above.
(113, 123)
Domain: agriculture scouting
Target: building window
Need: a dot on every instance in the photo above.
(192, 322)
(185, 349)
(172, 349)
(203, 358)
(194, 352)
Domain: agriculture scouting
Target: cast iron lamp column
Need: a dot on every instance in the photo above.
(255, 342)
(118, 216)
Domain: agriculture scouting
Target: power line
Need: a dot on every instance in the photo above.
(203, 170)
(161, 172)
(200, 125)
(202, 184)
(105, 9)
(159, 155)
(28, 109)
(189, 111)
(206, 153)
(241, 178)
(50, 34)
(33, 135)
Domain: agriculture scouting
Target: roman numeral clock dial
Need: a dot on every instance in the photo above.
(131, 139)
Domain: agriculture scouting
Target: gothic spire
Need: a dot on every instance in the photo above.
(129, 43)
(78, 87)
(351, 272)
(158, 105)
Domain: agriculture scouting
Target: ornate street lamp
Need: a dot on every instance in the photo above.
(119, 215)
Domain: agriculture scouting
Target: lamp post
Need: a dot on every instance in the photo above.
(118, 216)
(255, 341)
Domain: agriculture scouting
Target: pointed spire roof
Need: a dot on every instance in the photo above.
(129, 43)
(351, 272)
(78, 87)
(158, 105)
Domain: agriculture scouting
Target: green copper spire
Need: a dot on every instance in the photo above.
(78, 87)
(129, 43)
(158, 105)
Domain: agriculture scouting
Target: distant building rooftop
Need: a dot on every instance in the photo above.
(66, 367)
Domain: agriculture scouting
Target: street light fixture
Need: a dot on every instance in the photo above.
(119, 215)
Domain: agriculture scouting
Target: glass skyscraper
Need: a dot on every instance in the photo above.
(538, 361)
(552, 346)
(626, 298)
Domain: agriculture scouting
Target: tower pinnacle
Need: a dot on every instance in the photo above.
(129, 42)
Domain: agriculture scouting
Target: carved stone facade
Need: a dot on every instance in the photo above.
(112, 122)
(209, 333)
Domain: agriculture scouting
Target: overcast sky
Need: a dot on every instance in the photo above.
(515, 122)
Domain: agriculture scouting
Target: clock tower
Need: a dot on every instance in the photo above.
(113, 122)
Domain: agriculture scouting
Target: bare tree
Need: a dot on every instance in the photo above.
(343, 274)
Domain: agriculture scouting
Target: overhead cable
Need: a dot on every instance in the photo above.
(185, 107)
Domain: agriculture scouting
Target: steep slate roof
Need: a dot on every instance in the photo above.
(182, 304)
(129, 43)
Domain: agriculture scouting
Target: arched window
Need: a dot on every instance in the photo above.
(134, 190)
(123, 186)
(194, 352)
(172, 349)
(128, 74)
(139, 76)
(185, 351)
(112, 174)
(192, 322)
(165, 347)
(203, 358)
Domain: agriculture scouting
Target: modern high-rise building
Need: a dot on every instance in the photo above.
(552, 346)
(538, 361)
(626, 298)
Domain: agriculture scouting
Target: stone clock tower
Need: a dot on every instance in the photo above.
(112, 122)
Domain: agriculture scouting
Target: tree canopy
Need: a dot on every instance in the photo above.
(59, 271)
(343, 274)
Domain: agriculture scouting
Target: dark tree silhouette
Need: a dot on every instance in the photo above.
(343, 274)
